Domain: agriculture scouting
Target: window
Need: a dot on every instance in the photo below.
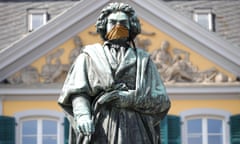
(205, 18)
(205, 126)
(36, 18)
(207, 130)
(39, 131)
(40, 127)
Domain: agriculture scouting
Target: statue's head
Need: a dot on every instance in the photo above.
(118, 21)
(164, 45)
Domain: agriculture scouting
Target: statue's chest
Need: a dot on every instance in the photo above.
(127, 76)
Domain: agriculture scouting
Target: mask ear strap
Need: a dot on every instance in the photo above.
(133, 44)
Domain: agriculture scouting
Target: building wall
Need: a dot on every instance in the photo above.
(11, 107)
(178, 106)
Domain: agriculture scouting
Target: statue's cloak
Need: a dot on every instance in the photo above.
(91, 77)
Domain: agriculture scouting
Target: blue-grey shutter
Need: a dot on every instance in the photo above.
(235, 129)
(7, 130)
(170, 130)
(174, 129)
(66, 130)
(164, 131)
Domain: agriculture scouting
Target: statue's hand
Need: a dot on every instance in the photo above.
(125, 99)
(85, 124)
(118, 98)
(108, 97)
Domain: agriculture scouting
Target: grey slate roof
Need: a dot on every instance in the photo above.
(13, 17)
(227, 15)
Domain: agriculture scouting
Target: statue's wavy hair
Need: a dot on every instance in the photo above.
(101, 23)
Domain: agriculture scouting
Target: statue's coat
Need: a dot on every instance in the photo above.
(91, 77)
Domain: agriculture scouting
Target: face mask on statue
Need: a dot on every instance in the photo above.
(118, 32)
(117, 27)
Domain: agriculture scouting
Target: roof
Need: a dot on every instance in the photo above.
(13, 17)
(85, 13)
(226, 13)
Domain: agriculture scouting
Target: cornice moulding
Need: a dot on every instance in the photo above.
(175, 91)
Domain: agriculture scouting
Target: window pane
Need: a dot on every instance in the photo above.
(49, 127)
(215, 140)
(194, 130)
(203, 20)
(194, 126)
(214, 126)
(195, 140)
(29, 132)
(215, 131)
(29, 127)
(50, 140)
(29, 140)
(37, 20)
(49, 132)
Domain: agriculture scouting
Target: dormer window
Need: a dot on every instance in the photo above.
(205, 18)
(36, 18)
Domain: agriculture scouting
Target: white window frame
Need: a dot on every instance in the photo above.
(39, 121)
(40, 115)
(204, 114)
(207, 12)
(32, 12)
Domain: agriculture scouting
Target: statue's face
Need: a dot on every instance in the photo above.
(165, 45)
(117, 18)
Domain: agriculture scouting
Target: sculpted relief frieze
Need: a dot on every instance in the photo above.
(178, 68)
(53, 71)
(174, 66)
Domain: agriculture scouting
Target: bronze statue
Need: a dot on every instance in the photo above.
(113, 93)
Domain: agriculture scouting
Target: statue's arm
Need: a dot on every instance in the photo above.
(82, 115)
(76, 82)
(76, 95)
